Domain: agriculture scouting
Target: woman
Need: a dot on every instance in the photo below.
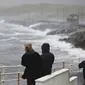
(32, 61)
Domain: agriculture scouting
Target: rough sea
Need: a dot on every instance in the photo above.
(33, 29)
(13, 36)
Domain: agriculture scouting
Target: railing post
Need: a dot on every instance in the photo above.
(79, 60)
(2, 75)
(54, 70)
(18, 74)
(78, 63)
(71, 69)
(63, 64)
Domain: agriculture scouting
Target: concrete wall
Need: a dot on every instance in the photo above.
(73, 80)
(60, 77)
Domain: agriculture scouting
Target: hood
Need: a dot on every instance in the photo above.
(45, 48)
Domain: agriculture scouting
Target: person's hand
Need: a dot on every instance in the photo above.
(23, 76)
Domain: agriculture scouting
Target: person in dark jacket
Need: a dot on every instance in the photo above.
(47, 59)
(82, 65)
(32, 61)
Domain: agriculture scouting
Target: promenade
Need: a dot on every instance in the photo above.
(16, 72)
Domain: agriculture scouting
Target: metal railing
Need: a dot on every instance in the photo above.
(3, 73)
(70, 64)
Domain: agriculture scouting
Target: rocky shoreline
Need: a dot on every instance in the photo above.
(76, 36)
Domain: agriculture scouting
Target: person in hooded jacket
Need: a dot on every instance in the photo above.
(47, 59)
(32, 61)
(82, 65)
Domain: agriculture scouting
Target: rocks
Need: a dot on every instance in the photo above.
(64, 28)
(77, 38)
(75, 31)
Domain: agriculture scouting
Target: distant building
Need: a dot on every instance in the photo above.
(73, 18)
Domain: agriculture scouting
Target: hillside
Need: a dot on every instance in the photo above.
(44, 7)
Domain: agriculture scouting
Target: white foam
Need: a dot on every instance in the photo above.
(11, 38)
(52, 39)
(2, 21)
(34, 25)
(63, 46)
(29, 30)
(77, 51)
(2, 34)
(17, 33)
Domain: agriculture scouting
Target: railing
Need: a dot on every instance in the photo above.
(3, 73)
(72, 65)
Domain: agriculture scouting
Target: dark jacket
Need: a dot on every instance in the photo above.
(32, 62)
(47, 59)
(82, 65)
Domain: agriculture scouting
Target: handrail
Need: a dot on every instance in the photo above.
(11, 73)
(12, 66)
(3, 73)
(63, 65)
(70, 60)
(71, 64)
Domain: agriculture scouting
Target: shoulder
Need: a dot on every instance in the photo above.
(24, 55)
(51, 54)
(36, 53)
(82, 64)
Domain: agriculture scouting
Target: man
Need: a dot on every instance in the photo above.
(47, 59)
(82, 65)
(32, 61)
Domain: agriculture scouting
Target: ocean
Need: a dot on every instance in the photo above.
(13, 37)
(17, 28)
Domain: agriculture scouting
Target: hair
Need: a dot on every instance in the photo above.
(28, 46)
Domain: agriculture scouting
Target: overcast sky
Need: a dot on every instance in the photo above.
(7, 3)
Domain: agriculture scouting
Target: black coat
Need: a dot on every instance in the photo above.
(82, 65)
(32, 62)
(47, 60)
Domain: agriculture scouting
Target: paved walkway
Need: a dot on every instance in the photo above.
(80, 77)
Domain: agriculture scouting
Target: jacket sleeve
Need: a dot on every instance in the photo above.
(39, 61)
(23, 60)
(53, 59)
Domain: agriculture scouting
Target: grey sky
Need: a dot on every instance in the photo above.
(7, 3)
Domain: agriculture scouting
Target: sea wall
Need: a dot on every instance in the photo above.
(60, 77)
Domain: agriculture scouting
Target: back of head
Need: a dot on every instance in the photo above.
(45, 48)
(28, 47)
